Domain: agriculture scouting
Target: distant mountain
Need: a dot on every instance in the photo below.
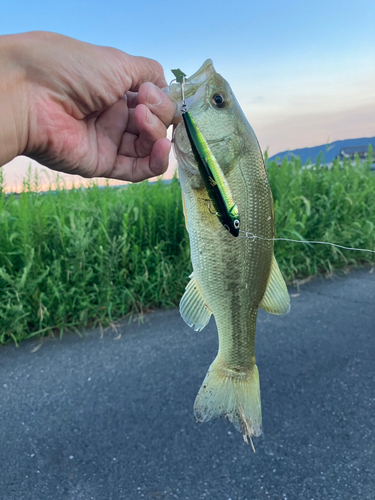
(328, 151)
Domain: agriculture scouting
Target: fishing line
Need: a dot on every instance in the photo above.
(253, 237)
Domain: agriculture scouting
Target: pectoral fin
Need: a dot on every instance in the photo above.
(193, 308)
(276, 299)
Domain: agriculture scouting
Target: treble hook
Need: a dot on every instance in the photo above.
(209, 208)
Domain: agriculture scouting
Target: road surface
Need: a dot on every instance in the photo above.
(111, 418)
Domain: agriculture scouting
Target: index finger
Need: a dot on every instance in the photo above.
(144, 70)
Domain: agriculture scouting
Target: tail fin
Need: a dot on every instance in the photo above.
(233, 395)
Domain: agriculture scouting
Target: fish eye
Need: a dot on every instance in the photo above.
(219, 100)
(236, 224)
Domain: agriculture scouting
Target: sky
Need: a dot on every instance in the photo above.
(303, 71)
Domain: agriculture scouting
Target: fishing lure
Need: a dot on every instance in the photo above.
(214, 180)
(216, 184)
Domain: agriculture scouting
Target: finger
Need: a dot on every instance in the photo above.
(150, 129)
(144, 70)
(143, 130)
(113, 121)
(128, 146)
(139, 169)
(157, 102)
(132, 126)
(132, 98)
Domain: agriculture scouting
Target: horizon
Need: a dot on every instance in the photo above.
(303, 75)
(23, 164)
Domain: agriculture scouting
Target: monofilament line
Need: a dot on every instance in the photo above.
(253, 237)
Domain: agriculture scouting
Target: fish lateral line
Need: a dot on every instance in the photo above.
(213, 178)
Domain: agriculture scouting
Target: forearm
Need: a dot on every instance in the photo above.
(13, 101)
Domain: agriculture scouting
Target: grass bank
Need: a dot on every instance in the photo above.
(76, 258)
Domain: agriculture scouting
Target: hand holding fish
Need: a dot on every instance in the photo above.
(82, 109)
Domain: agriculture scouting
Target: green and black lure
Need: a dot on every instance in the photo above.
(214, 180)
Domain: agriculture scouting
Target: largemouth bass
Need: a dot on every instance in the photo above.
(231, 277)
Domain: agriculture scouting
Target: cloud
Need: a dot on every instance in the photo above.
(258, 99)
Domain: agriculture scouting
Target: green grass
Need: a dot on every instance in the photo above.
(86, 257)
(75, 258)
(315, 203)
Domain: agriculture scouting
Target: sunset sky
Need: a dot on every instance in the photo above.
(303, 72)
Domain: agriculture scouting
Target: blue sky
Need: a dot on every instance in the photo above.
(303, 71)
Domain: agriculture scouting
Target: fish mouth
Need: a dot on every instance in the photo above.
(203, 74)
(192, 85)
(194, 94)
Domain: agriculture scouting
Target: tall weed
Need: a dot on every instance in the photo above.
(69, 259)
(314, 202)
(84, 257)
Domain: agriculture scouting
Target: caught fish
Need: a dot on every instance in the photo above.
(231, 277)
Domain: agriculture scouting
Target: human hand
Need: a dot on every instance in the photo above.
(72, 115)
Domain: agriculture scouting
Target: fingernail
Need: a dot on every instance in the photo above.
(154, 96)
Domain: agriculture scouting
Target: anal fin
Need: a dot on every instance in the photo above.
(193, 308)
(276, 298)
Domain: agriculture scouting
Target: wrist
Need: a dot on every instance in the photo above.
(13, 101)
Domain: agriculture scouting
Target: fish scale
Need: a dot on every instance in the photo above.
(232, 276)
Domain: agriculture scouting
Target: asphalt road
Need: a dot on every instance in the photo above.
(106, 418)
